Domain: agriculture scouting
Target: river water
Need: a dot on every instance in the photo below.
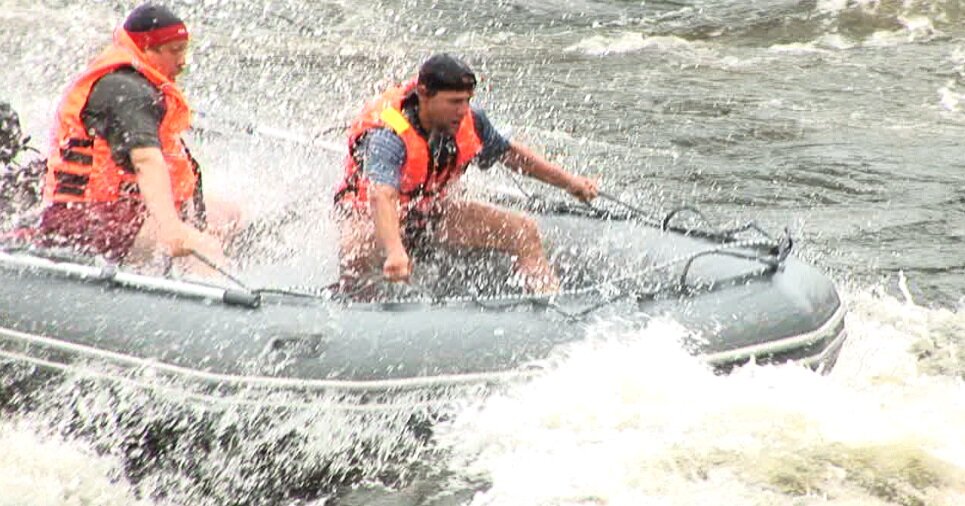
(840, 119)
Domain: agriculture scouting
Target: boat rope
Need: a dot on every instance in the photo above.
(221, 270)
(765, 250)
(771, 253)
(774, 255)
(687, 259)
(639, 212)
(664, 224)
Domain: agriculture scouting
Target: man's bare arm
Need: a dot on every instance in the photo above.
(154, 183)
(525, 161)
(384, 201)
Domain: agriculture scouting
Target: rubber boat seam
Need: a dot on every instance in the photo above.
(214, 399)
(781, 344)
(267, 381)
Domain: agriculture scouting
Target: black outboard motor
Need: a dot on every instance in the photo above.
(11, 137)
(20, 185)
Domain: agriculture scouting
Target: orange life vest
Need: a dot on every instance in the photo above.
(80, 167)
(418, 186)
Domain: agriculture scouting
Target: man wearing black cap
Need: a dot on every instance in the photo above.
(117, 157)
(406, 149)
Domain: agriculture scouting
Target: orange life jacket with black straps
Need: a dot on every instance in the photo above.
(421, 183)
(80, 167)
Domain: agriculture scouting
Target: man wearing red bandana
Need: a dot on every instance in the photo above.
(117, 162)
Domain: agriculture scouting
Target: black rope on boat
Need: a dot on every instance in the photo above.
(665, 224)
(773, 253)
(221, 270)
(247, 297)
(723, 235)
(771, 262)
(784, 246)
(580, 313)
(322, 293)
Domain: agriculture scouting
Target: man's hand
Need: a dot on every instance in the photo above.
(180, 239)
(397, 267)
(582, 188)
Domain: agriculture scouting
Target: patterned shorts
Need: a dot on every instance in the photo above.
(92, 228)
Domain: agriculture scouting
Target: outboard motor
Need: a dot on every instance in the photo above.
(20, 185)
(11, 137)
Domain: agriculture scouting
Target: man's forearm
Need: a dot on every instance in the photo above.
(523, 160)
(384, 201)
(154, 183)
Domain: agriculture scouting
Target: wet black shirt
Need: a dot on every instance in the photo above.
(125, 109)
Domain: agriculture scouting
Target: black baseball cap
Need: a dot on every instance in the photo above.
(151, 25)
(444, 72)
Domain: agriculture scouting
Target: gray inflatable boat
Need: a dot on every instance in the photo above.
(741, 292)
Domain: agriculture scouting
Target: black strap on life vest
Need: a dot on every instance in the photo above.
(200, 217)
(69, 154)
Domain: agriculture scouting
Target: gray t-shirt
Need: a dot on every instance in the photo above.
(383, 151)
(125, 109)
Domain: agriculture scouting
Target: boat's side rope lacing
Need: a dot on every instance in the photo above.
(765, 250)
(550, 301)
(772, 257)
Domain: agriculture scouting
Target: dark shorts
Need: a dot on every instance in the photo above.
(97, 228)
(418, 230)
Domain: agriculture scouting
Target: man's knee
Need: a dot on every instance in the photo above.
(223, 216)
(530, 227)
(527, 230)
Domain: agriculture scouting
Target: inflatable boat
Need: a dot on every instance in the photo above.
(741, 293)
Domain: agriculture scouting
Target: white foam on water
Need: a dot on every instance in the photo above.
(630, 42)
(826, 43)
(916, 21)
(838, 6)
(41, 470)
(630, 418)
(950, 96)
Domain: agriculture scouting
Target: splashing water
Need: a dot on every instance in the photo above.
(47, 471)
(629, 418)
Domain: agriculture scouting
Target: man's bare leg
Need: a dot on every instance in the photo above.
(475, 225)
(223, 217)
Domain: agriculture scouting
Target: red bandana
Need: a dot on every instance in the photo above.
(158, 36)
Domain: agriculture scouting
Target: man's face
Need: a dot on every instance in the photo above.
(445, 109)
(169, 58)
